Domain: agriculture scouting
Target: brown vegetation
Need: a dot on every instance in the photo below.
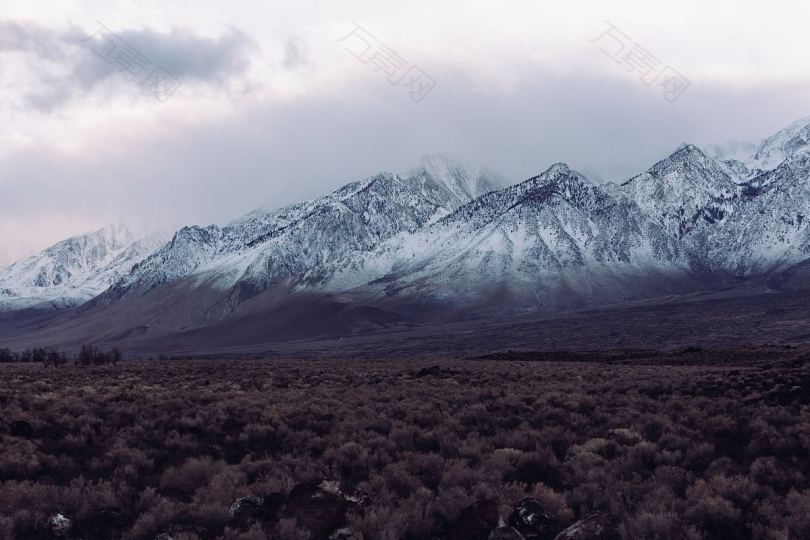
(166, 448)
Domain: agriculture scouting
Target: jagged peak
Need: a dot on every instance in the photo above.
(111, 230)
(685, 154)
(786, 133)
(558, 180)
(464, 180)
(693, 161)
(112, 235)
(559, 172)
(194, 231)
(767, 153)
(76, 268)
(688, 149)
(558, 168)
(771, 151)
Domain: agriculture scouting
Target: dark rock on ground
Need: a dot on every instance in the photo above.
(597, 526)
(247, 508)
(21, 428)
(320, 506)
(475, 522)
(534, 521)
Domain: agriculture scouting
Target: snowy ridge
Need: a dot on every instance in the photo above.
(733, 149)
(769, 230)
(554, 232)
(74, 270)
(778, 147)
(449, 234)
(290, 246)
(749, 160)
(687, 191)
(464, 182)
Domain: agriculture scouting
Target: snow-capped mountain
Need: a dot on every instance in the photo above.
(555, 240)
(731, 150)
(445, 238)
(769, 229)
(74, 270)
(290, 246)
(462, 181)
(748, 160)
(687, 191)
(740, 215)
(782, 145)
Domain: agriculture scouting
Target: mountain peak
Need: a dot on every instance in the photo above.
(558, 168)
(778, 147)
(688, 150)
(562, 173)
(559, 180)
(767, 154)
(114, 228)
(115, 231)
(464, 181)
(688, 190)
(111, 237)
(687, 156)
(76, 269)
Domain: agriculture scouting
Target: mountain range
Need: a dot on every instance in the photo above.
(75, 270)
(439, 243)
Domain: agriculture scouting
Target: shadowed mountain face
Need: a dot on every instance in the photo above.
(447, 243)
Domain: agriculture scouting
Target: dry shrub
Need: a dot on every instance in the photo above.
(669, 451)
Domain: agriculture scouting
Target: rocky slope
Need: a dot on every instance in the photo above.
(73, 271)
(290, 246)
(687, 191)
(740, 217)
(768, 231)
(747, 161)
(451, 240)
(553, 241)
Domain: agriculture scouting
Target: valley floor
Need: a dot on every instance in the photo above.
(696, 444)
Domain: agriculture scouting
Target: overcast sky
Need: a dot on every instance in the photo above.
(164, 113)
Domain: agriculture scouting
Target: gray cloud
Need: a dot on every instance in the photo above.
(29, 37)
(213, 171)
(294, 55)
(189, 56)
(65, 63)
